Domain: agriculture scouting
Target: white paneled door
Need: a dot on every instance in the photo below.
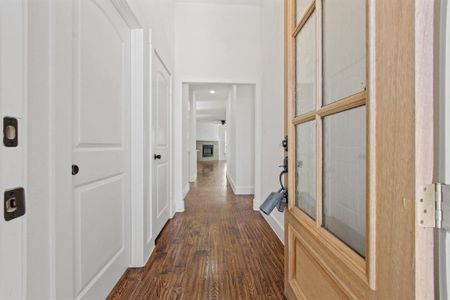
(161, 85)
(101, 148)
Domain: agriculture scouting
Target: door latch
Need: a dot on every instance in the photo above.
(14, 204)
(10, 132)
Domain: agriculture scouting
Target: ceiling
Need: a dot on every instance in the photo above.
(211, 107)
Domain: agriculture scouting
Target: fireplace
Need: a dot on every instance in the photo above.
(208, 150)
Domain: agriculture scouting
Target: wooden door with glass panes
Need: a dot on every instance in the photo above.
(350, 227)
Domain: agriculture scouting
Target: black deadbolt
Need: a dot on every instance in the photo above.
(75, 169)
(157, 156)
(284, 144)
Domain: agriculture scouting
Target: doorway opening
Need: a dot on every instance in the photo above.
(219, 127)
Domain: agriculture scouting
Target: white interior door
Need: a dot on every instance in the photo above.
(161, 144)
(101, 149)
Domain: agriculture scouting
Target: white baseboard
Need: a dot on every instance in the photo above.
(193, 178)
(231, 182)
(149, 254)
(179, 206)
(256, 205)
(244, 190)
(186, 189)
(240, 190)
(276, 226)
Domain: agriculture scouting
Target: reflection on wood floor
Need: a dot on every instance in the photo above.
(219, 248)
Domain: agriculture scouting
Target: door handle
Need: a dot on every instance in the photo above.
(75, 169)
(157, 156)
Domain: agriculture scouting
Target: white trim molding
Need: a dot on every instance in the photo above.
(186, 190)
(193, 178)
(240, 190)
(276, 226)
(231, 182)
(137, 148)
(244, 190)
(179, 207)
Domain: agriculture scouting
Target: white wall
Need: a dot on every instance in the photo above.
(158, 16)
(245, 139)
(207, 131)
(186, 138)
(272, 107)
(241, 139)
(231, 136)
(193, 139)
(217, 43)
(222, 138)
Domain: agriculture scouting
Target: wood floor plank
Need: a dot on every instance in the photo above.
(219, 248)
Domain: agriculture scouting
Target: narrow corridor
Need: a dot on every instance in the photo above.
(219, 248)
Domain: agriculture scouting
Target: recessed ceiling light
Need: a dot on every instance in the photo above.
(212, 92)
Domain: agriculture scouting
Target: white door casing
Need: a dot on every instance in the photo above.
(92, 244)
(443, 144)
(161, 138)
(13, 168)
(149, 239)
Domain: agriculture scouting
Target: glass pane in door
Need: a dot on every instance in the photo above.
(306, 67)
(306, 168)
(344, 177)
(344, 48)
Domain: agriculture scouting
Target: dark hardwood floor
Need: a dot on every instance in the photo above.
(219, 248)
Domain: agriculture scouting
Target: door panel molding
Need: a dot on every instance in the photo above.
(350, 280)
(162, 169)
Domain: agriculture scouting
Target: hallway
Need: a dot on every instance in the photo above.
(219, 248)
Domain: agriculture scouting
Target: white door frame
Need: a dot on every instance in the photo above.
(137, 147)
(443, 162)
(179, 130)
(141, 245)
(155, 51)
(13, 167)
(139, 249)
(143, 207)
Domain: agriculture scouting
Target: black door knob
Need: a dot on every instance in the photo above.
(157, 156)
(75, 169)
